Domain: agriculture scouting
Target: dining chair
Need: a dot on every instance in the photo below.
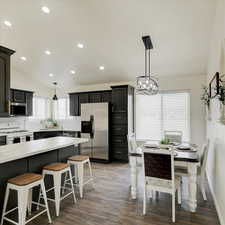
(182, 171)
(158, 175)
(173, 136)
(133, 147)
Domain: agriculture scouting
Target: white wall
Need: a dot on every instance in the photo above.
(215, 130)
(23, 81)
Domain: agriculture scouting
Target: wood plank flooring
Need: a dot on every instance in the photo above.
(109, 203)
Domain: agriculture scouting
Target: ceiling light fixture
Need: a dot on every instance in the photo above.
(80, 45)
(72, 71)
(23, 58)
(7, 23)
(47, 52)
(51, 75)
(45, 9)
(101, 67)
(55, 98)
(146, 85)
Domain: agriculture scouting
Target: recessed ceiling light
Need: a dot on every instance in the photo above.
(80, 45)
(47, 52)
(72, 72)
(7, 23)
(101, 67)
(23, 58)
(51, 75)
(45, 9)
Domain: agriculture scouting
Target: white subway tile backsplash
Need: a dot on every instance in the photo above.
(25, 123)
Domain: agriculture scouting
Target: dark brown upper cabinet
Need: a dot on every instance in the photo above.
(107, 96)
(76, 99)
(22, 96)
(119, 98)
(74, 104)
(19, 96)
(29, 101)
(83, 98)
(5, 54)
(95, 97)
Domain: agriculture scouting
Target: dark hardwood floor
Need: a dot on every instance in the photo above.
(109, 203)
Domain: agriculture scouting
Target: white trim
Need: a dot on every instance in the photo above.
(218, 209)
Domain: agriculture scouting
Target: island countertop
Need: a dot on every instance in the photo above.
(22, 150)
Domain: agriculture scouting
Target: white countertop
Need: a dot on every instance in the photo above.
(53, 129)
(22, 150)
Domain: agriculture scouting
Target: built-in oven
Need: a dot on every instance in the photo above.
(18, 109)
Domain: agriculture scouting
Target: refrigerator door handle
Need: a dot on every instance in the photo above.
(92, 126)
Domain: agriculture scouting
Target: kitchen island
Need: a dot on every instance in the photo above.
(16, 159)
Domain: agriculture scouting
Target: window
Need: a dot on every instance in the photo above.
(41, 108)
(61, 109)
(165, 111)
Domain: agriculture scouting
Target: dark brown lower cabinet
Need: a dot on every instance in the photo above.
(2, 140)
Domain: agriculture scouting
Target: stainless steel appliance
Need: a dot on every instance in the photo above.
(95, 126)
(18, 109)
(14, 136)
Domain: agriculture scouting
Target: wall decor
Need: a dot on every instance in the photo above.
(206, 100)
(221, 98)
(214, 85)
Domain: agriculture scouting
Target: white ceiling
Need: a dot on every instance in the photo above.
(111, 32)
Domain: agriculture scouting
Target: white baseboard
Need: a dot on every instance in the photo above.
(218, 209)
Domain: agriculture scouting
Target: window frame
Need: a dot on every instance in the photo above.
(67, 109)
(161, 92)
(47, 108)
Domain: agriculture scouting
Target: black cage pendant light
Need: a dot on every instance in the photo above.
(146, 85)
(55, 98)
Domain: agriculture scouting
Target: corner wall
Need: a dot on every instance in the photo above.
(216, 130)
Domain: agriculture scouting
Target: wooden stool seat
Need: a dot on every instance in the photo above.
(56, 166)
(25, 179)
(79, 158)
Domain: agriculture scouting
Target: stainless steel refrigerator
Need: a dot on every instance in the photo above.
(95, 126)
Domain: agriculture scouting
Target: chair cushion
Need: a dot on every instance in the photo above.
(79, 158)
(56, 166)
(25, 179)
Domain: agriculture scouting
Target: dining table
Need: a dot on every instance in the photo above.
(183, 158)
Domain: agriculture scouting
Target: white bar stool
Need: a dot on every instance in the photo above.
(57, 170)
(23, 184)
(78, 162)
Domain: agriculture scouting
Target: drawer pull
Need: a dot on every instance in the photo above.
(118, 128)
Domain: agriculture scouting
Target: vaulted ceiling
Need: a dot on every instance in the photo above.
(110, 31)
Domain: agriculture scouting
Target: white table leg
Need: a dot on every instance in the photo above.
(133, 168)
(192, 173)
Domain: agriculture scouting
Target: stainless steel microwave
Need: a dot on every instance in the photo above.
(18, 109)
